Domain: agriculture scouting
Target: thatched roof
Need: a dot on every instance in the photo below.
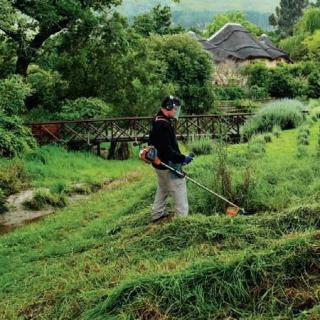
(234, 42)
(270, 47)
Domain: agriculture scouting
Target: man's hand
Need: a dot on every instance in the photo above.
(187, 160)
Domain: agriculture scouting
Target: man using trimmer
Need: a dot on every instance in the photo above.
(163, 138)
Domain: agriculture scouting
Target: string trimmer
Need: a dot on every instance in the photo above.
(150, 155)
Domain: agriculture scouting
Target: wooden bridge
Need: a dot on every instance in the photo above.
(135, 129)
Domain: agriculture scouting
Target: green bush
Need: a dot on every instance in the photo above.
(13, 92)
(285, 80)
(257, 92)
(85, 108)
(284, 113)
(43, 198)
(229, 93)
(201, 146)
(13, 176)
(15, 138)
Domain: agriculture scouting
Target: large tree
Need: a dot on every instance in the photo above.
(29, 23)
(287, 14)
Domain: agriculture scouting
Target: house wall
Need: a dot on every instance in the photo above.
(229, 72)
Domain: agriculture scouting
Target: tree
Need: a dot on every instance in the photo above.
(303, 43)
(188, 67)
(232, 17)
(29, 23)
(287, 14)
(158, 20)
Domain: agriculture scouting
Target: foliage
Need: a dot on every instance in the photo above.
(188, 67)
(309, 22)
(312, 44)
(29, 24)
(231, 17)
(257, 92)
(48, 88)
(229, 92)
(158, 20)
(7, 57)
(13, 176)
(13, 92)
(284, 113)
(287, 14)
(304, 42)
(15, 138)
(200, 146)
(122, 71)
(85, 108)
(285, 80)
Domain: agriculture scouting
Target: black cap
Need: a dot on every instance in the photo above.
(170, 102)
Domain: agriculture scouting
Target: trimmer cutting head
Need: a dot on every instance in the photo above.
(233, 211)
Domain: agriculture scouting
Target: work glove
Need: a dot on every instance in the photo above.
(187, 159)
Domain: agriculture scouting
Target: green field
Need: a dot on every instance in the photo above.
(102, 259)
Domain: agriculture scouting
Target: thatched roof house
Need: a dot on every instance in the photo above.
(233, 46)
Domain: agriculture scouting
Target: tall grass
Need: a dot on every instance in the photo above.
(286, 114)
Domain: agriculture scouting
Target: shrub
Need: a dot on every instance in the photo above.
(15, 138)
(85, 108)
(284, 113)
(13, 92)
(229, 93)
(201, 146)
(43, 198)
(13, 177)
(257, 92)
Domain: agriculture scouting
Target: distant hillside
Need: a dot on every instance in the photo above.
(135, 6)
(195, 13)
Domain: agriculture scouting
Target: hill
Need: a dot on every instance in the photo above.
(136, 6)
(191, 13)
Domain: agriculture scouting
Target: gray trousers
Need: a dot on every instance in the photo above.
(168, 183)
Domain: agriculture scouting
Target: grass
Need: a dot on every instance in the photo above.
(285, 113)
(102, 259)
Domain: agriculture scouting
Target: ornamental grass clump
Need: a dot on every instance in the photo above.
(201, 146)
(286, 114)
(43, 199)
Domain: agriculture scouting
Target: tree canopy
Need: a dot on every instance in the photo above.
(231, 17)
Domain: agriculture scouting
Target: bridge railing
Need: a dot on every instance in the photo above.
(133, 129)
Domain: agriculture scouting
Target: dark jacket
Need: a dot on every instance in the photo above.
(163, 138)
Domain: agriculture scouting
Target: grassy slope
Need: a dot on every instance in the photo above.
(131, 6)
(101, 259)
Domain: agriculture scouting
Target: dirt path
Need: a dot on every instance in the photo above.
(18, 215)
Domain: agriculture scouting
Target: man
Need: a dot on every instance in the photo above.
(163, 138)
